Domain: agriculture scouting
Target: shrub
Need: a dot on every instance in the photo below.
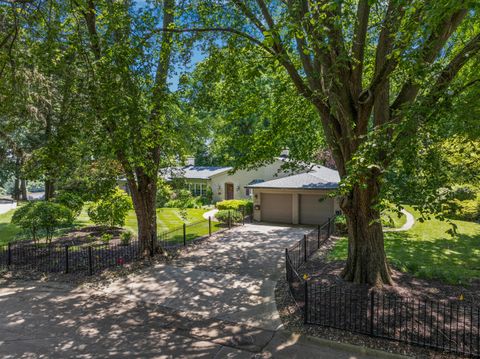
(125, 238)
(464, 192)
(224, 215)
(464, 210)
(341, 224)
(70, 200)
(183, 198)
(106, 238)
(463, 203)
(236, 205)
(42, 216)
(164, 193)
(112, 210)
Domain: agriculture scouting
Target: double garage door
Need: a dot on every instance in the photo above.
(313, 209)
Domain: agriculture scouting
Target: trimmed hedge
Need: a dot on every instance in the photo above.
(224, 215)
(236, 205)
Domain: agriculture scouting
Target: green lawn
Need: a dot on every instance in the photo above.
(7, 230)
(427, 251)
(168, 219)
(389, 215)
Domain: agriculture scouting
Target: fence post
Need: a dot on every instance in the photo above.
(305, 247)
(243, 216)
(90, 264)
(372, 310)
(229, 219)
(286, 266)
(66, 259)
(318, 236)
(209, 226)
(305, 306)
(328, 230)
(9, 257)
(184, 235)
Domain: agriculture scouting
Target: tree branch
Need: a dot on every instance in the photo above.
(358, 46)
(446, 76)
(221, 29)
(432, 46)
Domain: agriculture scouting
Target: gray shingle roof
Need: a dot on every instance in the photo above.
(198, 172)
(319, 177)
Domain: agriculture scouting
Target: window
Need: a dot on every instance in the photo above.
(248, 192)
(197, 189)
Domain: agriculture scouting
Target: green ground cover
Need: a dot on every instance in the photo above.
(8, 231)
(168, 219)
(427, 251)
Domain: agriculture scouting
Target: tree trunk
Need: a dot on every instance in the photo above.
(23, 190)
(144, 193)
(16, 189)
(49, 189)
(366, 262)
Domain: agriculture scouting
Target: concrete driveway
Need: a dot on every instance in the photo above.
(232, 279)
(215, 302)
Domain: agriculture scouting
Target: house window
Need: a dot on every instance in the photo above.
(248, 192)
(197, 189)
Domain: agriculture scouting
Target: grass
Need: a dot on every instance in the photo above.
(8, 231)
(427, 251)
(168, 219)
(392, 220)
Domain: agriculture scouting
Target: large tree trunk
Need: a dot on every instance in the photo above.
(366, 261)
(144, 193)
(23, 189)
(49, 189)
(16, 189)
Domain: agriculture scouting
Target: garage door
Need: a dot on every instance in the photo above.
(276, 208)
(313, 210)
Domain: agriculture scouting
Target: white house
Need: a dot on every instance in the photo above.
(226, 184)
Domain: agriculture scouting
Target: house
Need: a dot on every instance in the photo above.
(226, 184)
(297, 199)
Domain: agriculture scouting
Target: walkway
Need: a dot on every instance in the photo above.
(216, 302)
(7, 206)
(210, 213)
(407, 225)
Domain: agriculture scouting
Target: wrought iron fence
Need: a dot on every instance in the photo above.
(90, 258)
(445, 325)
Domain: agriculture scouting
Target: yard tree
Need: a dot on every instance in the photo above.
(136, 117)
(38, 107)
(372, 70)
(245, 102)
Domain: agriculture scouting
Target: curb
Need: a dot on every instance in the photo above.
(348, 347)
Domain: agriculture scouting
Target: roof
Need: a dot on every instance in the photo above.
(199, 172)
(319, 177)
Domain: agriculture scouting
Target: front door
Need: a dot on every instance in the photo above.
(228, 190)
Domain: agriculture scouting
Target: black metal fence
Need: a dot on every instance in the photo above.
(91, 258)
(450, 326)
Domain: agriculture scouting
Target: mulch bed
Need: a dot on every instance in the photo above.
(327, 273)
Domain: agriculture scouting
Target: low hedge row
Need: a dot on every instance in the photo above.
(236, 205)
(225, 215)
